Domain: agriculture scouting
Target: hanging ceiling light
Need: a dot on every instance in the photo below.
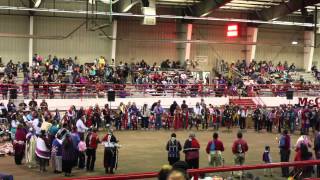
(36, 3)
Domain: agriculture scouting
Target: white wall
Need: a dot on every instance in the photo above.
(64, 104)
(14, 48)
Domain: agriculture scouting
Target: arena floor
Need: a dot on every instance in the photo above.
(145, 151)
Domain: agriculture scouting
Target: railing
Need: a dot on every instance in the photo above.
(141, 90)
(196, 172)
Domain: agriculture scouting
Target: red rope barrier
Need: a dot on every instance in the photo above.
(196, 172)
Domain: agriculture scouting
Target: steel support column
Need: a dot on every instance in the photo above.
(30, 52)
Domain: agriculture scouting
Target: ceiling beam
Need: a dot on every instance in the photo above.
(126, 5)
(284, 9)
(205, 8)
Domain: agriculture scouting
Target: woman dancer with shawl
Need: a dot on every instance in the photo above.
(19, 144)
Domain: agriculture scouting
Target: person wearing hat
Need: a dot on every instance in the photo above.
(191, 149)
(110, 152)
(173, 147)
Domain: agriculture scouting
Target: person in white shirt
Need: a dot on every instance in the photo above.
(81, 127)
(243, 116)
(36, 124)
(197, 116)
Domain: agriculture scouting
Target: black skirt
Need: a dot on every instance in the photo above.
(110, 157)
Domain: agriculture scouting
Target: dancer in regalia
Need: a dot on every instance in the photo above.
(19, 144)
(31, 148)
(178, 118)
(110, 152)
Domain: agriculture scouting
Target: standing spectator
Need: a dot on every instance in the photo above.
(173, 147)
(145, 112)
(173, 108)
(67, 155)
(81, 127)
(257, 119)
(266, 158)
(92, 141)
(191, 149)
(243, 117)
(185, 114)
(82, 149)
(284, 145)
(197, 115)
(214, 150)
(25, 88)
(158, 110)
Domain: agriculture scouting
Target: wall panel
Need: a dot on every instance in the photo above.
(227, 52)
(266, 49)
(132, 48)
(85, 44)
(14, 48)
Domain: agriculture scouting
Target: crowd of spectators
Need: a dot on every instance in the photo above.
(65, 77)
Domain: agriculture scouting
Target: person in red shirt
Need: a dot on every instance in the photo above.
(92, 141)
(239, 148)
(214, 150)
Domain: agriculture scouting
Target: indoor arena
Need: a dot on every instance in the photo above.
(159, 89)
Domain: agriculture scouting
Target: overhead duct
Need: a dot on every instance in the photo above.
(102, 13)
(149, 10)
(126, 5)
(104, 1)
(284, 9)
(37, 3)
(109, 1)
(11, 35)
(205, 8)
